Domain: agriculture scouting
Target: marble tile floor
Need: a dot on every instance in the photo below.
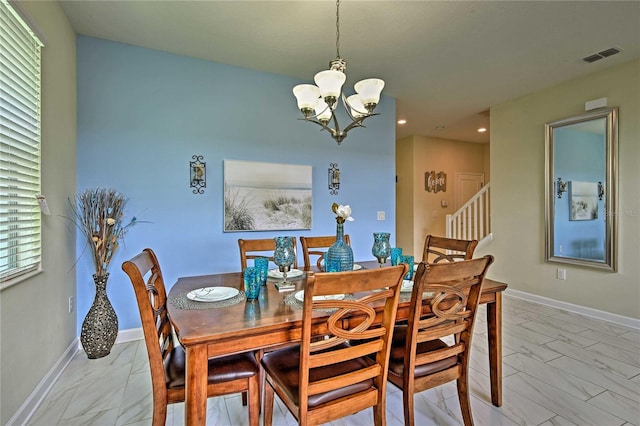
(560, 368)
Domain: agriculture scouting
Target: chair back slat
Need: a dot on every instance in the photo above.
(440, 354)
(311, 247)
(441, 249)
(263, 247)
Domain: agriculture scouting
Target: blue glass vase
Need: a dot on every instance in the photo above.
(341, 251)
(381, 247)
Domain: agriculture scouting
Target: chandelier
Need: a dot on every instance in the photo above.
(318, 102)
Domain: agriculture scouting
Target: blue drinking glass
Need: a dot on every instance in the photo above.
(251, 283)
(262, 269)
(396, 253)
(409, 261)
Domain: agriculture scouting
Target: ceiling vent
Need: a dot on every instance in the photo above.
(601, 55)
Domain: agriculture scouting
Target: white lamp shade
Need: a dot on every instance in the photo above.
(369, 90)
(330, 82)
(307, 95)
(322, 110)
(355, 104)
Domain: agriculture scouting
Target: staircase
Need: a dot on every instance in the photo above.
(472, 221)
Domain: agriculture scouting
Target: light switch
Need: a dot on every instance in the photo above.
(434, 213)
(381, 215)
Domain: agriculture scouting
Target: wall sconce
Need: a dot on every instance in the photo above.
(561, 187)
(334, 178)
(198, 174)
(600, 190)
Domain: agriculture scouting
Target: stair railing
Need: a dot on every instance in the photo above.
(472, 221)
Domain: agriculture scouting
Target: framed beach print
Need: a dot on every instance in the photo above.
(584, 201)
(266, 196)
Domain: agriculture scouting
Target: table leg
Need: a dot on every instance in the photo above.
(494, 328)
(195, 408)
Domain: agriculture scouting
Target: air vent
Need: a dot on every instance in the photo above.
(601, 55)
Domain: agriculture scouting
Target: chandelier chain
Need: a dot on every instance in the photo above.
(338, 29)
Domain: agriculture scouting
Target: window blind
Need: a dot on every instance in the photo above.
(20, 229)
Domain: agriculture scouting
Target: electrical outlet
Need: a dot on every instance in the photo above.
(562, 274)
(70, 304)
(381, 215)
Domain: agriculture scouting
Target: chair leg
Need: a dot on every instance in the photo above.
(159, 413)
(268, 405)
(407, 402)
(465, 402)
(379, 414)
(254, 400)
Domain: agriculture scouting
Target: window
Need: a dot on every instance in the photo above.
(20, 229)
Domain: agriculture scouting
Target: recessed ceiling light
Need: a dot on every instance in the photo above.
(403, 121)
(482, 130)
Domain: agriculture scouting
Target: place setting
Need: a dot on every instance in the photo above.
(208, 298)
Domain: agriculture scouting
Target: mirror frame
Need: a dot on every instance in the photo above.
(610, 189)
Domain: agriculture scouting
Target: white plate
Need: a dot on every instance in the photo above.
(407, 285)
(300, 296)
(212, 294)
(274, 273)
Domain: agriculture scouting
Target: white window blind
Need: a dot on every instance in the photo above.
(20, 231)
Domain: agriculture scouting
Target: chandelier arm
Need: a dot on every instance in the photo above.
(324, 126)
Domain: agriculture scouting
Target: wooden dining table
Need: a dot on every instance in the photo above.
(269, 321)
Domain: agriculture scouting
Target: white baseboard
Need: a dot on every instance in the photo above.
(33, 401)
(582, 310)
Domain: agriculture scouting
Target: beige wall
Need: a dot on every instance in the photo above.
(404, 193)
(415, 156)
(35, 325)
(517, 168)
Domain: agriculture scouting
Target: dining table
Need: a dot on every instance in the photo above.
(214, 328)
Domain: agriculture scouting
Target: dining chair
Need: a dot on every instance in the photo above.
(264, 247)
(311, 243)
(438, 249)
(433, 347)
(325, 377)
(227, 375)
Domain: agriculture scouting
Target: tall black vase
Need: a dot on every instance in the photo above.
(100, 326)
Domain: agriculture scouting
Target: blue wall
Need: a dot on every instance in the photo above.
(142, 114)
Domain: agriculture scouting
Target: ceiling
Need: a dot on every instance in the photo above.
(445, 62)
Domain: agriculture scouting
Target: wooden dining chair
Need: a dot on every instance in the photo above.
(433, 347)
(310, 246)
(438, 249)
(325, 377)
(227, 375)
(250, 249)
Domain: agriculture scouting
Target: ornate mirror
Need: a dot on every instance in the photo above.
(580, 191)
